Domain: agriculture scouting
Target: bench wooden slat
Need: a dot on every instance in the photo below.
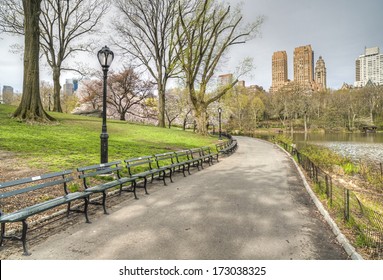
(99, 172)
(36, 187)
(33, 179)
(85, 168)
(41, 207)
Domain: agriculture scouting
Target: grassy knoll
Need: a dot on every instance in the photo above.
(75, 141)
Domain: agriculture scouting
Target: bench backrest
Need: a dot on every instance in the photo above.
(36, 183)
(140, 164)
(165, 159)
(99, 169)
(183, 156)
(206, 151)
(220, 146)
(195, 153)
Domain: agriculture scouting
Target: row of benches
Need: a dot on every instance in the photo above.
(127, 175)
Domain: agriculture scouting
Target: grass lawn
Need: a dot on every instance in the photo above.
(75, 140)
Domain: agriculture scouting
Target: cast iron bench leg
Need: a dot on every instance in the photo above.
(104, 202)
(163, 177)
(183, 170)
(145, 182)
(86, 210)
(24, 238)
(170, 175)
(134, 189)
(68, 210)
(2, 233)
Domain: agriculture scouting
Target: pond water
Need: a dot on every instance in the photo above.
(367, 146)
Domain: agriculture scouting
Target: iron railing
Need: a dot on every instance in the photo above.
(346, 205)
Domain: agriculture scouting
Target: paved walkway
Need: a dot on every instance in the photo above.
(251, 205)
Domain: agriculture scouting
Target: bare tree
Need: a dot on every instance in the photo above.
(205, 34)
(63, 24)
(31, 108)
(146, 34)
(46, 90)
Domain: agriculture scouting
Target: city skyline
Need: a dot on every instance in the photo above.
(338, 30)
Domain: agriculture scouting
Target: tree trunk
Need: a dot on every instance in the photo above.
(57, 90)
(201, 118)
(31, 108)
(161, 105)
(122, 116)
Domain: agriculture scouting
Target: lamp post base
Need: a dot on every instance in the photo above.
(104, 147)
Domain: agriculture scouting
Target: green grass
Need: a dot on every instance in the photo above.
(74, 141)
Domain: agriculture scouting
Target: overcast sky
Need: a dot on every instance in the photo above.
(337, 30)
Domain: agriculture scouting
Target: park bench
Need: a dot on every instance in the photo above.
(201, 155)
(208, 153)
(37, 186)
(107, 171)
(185, 156)
(142, 168)
(196, 154)
(169, 162)
(226, 147)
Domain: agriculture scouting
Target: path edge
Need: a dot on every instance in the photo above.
(344, 242)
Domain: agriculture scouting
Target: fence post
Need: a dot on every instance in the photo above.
(316, 174)
(330, 191)
(347, 205)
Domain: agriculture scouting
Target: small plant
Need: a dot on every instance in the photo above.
(350, 168)
(46, 197)
(75, 187)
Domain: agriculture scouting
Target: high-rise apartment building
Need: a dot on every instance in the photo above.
(7, 95)
(68, 87)
(225, 79)
(369, 67)
(279, 70)
(320, 74)
(304, 65)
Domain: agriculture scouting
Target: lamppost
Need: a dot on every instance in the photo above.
(219, 119)
(105, 57)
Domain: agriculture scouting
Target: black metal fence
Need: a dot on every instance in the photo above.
(346, 206)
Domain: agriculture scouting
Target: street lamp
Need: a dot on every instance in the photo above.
(219, 118)
(105, 57)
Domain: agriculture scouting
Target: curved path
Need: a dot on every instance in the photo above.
(251, 205)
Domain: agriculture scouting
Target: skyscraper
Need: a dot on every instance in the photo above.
(68, 87)
(369, 66)
(320, 74)
(304, 65)
(279, 70)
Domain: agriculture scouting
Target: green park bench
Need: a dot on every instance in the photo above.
(105, 170)
(185, 156)
(169, 162)
(34, 184)
(226, 147)
(142, 168)
(208, 153)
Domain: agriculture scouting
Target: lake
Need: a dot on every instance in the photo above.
(367, 146)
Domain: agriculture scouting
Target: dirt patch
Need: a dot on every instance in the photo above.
(12, 168)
